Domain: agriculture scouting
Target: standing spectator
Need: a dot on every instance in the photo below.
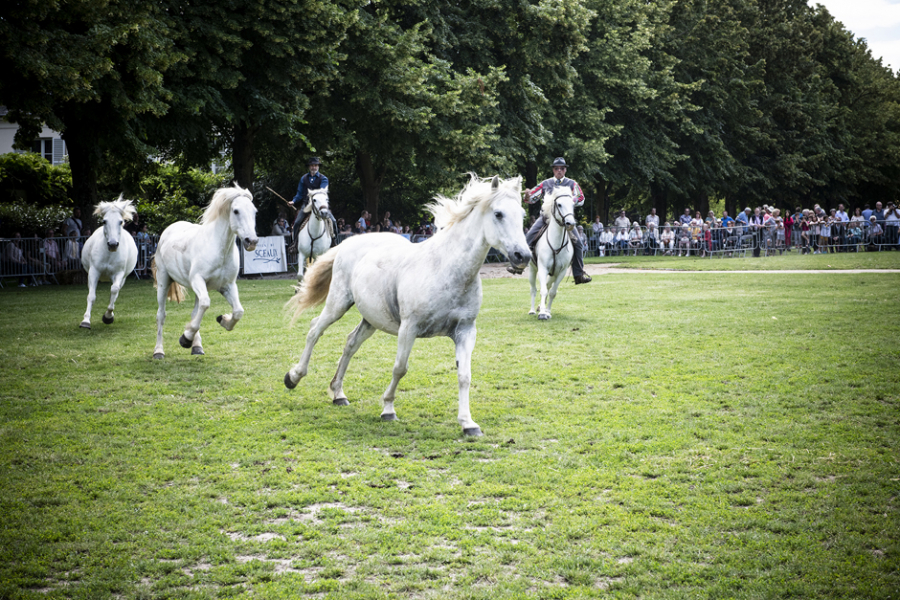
(859, 218)
(756, 229)
(651, 237)
(362, 223)
(72, 226)
(824, 234)
(711, 219)
(804, 234)
(878, 214)
(386, 223)
(788, 225)
(743, 220)
(280, 227)
(705, 241)
(866, 213)
(726, 219)
(842, 214)
(652, 218)
(685, 219)
(622, 220)
(597, 233)
(52, 253)
(892, 225)
(875, 234)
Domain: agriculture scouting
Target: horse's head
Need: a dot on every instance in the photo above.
(559, 205)
(113, 215)
(318, 203)
(242, 219)
(503, 228)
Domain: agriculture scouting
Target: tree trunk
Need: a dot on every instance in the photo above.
(703, 203)
(370, 178)
(730, 205)
(659, 198)
(84, 160)
(243, 157)
(530, 174)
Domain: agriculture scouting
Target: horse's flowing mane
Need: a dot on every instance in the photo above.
(221, 203)
(476, 194)
(123, 206)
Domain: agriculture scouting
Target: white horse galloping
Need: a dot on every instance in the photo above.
(315, 237)
(204, 257)
(109, 254)
(415, 290)
(554, 249)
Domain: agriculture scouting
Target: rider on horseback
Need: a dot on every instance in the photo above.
(531, 196)
(311, 181)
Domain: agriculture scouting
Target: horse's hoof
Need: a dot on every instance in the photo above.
(531, 312)
(287, 381)
(473, 431)
(185, 343)
(219, 319)
(198, 350)
(159, 356)
(85, 324)
(109, 320)
(544, 317)
(389, 417)
(340, 402)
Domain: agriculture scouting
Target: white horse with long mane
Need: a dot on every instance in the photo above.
(414, 291)
(553, 250)
(314, 239)
(204, 257)
(109, 254)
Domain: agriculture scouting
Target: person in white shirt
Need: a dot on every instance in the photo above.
(667, 238)
(652, 218)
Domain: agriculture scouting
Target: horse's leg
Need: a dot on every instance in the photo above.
(553, 287)
(465, 343)
(162, 282)
(544, 313)
(356, 338)
(405, 339)
(93, 278)
(237, 311)
(191, 336)
(334, 310)
(117, 283)
(532, 278)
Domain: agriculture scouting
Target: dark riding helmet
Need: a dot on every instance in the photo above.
(559, 162)
(313, 161)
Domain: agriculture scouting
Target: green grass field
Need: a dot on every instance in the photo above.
(664, 436)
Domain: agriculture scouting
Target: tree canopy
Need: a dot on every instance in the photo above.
(663, 103)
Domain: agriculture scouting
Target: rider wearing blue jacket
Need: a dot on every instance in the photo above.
(311, 181)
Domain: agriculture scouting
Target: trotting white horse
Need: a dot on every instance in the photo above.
(109, 254)
(553, 249)
(315, 237)
(204, 257)
(415, 290)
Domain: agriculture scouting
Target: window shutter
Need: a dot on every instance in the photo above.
(59, 151)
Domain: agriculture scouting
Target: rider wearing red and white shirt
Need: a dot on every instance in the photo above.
(537, 194)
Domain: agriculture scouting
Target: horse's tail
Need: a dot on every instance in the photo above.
(176, 290)
(315, 286)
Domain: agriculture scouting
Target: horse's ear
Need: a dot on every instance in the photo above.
(495, 182)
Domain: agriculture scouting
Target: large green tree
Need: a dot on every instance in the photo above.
(86, 68)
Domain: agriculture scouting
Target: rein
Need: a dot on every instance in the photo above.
(561, 221)
(325, 225)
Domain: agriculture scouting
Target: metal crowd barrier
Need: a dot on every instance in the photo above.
(739, 240)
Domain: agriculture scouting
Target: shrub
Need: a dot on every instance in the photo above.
(171, 193)
(31, 179)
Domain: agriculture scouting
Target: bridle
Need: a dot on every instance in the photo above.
(561, 221)
(325, 224)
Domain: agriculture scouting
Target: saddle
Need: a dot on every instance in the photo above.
(540, 234)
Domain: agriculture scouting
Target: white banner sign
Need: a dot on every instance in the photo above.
(269, 256)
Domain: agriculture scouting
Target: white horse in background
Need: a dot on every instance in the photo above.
(419, 290)
(109, 254)
(204, 257)
(553, 249)
(314, 239)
